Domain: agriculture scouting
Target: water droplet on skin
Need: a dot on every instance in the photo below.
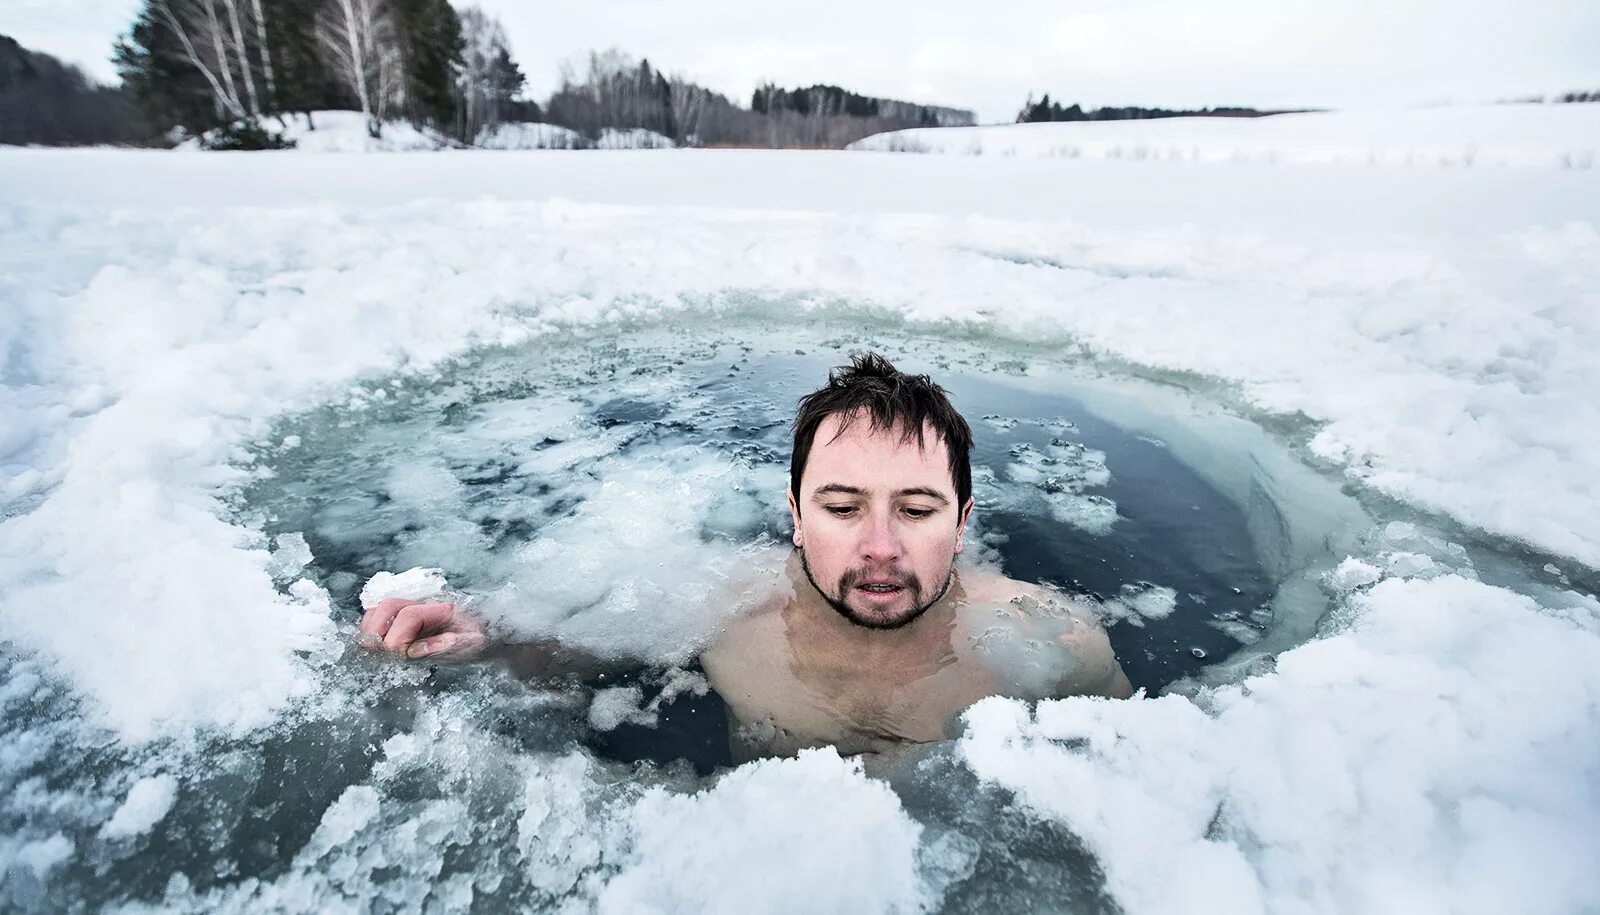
(1198, 652)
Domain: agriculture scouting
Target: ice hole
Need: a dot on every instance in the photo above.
(606, 492)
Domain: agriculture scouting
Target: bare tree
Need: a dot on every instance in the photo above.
(489, 79)
(266, 55)
(243, 56)
(362, 48)
(188, 26)
(210, 27)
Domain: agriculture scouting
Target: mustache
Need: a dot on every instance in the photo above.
(900, 577)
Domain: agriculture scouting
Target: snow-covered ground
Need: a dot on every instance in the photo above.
(346, 132)
(518, 135)
(1428, 334)
(1544, 136)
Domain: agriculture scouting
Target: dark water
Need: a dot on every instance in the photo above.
(1172, 529)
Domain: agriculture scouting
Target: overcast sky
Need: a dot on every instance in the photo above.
(989, 55)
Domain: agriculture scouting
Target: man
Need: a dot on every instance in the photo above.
(876, 638)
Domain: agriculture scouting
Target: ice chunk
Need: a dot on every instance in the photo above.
(43, 856)
(290, 554)
(412, 584)
(617, 706)
(147, 804)
(1353, 573)
(1141, 601)
(720, 850)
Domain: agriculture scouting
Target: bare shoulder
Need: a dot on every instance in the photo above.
(746, 639)
(1069, 622)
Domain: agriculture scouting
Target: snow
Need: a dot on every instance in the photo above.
(412, 584)
(636, 138)
(345, 132)
(1427, 335)
(685, 858)
(521, 135)
(1542, 136)
(1416, 755)
(147, 803)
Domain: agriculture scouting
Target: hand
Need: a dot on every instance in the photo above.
(422, 630)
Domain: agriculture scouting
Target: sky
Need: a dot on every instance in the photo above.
(988, 56)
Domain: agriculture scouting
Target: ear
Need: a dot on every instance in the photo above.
(794, 515)
(961, 526)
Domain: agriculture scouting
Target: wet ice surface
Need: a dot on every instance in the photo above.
(605, 491)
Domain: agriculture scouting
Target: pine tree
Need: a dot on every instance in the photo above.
(431, 45)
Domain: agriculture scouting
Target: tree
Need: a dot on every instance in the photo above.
(43, 100)
(430, 59)
(362, 51)
(489, 79)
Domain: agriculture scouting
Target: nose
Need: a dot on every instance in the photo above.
(880, 541)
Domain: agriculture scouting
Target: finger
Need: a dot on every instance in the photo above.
(415, 619)
(378, 617)
(439, 644)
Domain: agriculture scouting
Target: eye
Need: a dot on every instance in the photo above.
(918, 513)
(841, 511)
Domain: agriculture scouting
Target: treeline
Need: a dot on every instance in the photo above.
(1046, 110)
(231, 64)
(229, 70)
(833, 101)
(620, 93)
(46, 101)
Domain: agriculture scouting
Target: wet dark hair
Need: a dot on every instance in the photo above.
(871, 386)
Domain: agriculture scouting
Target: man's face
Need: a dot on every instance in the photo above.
(878, 525)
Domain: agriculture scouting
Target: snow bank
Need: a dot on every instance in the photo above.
(346, 131)
(1439, 745)
(524, 135)
(636, 138)
(1545, 136)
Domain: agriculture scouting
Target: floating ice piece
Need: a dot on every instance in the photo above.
(1352, 573)
(1142, 601)
(148, 803)
(412, 584)
(290, 553)
(619, 705)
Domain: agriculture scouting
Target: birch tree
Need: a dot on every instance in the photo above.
(188, 26)
(242, 55)
(266, 55)
(363, 53)
(489, 79)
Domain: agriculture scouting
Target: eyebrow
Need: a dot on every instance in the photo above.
(841, 488)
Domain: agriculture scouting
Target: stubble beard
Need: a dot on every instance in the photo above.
(851, 577)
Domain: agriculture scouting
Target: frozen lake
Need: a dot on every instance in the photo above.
(1344, 416)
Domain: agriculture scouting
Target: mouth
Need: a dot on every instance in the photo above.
(881, 590)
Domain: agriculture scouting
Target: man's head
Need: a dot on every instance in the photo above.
(880, 487)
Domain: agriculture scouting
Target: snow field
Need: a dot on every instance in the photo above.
(1435, 748)
(1460, 136)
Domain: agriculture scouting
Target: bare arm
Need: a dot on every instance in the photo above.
(437, 631)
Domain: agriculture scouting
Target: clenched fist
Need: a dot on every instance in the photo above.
(418, 629)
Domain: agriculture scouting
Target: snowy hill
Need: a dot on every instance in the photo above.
(346, 131)
(1561, 136)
